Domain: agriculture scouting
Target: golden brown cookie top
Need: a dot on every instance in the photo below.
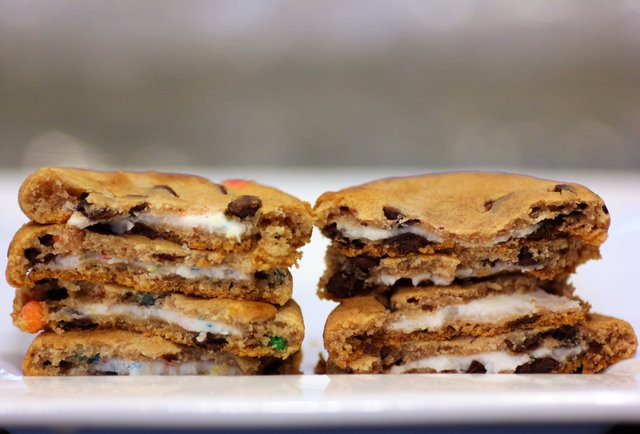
(121, 342)
(472, 208)
(50, 194)
(355, 314)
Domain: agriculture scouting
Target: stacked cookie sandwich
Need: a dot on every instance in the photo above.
(150, 273)
(464, 272)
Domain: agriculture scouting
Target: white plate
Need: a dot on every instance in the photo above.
(317, 400)
(320, 400)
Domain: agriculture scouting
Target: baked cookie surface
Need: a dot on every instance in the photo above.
(396, 216)
(587, 347)
(40, 252)
(119, 352)
(244, 328)
(235, 215)
(347, 276)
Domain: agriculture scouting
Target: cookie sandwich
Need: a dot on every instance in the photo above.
(464, 272)
(151, 257)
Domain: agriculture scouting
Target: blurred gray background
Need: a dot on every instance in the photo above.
(320, 83)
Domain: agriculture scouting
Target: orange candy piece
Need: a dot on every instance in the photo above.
(32, 316)
(235, 183)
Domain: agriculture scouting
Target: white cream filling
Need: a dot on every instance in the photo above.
(162, 367)
(152, 312)
(461, 273)
(486, 310)
(217, 272)
(495, 362)
(213, 223)
(359, 231)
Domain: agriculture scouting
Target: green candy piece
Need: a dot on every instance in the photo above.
(278, 342)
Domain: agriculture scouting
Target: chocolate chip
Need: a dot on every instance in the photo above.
(526, 345)
(138, 208)
(392, 213)
(170, 357)
(538, 366)
(64, 365)
(244, 206)
(344, 285)
(386, 351)
(331, 231)
(412, 300)
(97, 214)
(166, 188)
(549, 229)
(476, 368)
(559, 188)
(595, 347)
(605, 209)
(407, 243)
(169, 257)
(211, 341)
(427, 307)
(525, 257)
(78, 324)
(408, 223)
(524, 320)
(222, 188)
(56, 294)
(488, 205)
(364, 263)
(101, 228)
(261, 275)
(31, 254)
(46, 240)
(530, 343)
(357, 244)
(567, 334)
(145, 231)
(370, 348)
(583, 205)
(83, 196)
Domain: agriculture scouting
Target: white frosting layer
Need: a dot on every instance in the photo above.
(162, 367)
(485, 310)
(494, 362)
(218, 272)
(461, 273)
(152, 312)
(361, 232)
(213, 223)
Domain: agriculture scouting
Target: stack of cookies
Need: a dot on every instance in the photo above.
(150, 273)
(464, 272)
